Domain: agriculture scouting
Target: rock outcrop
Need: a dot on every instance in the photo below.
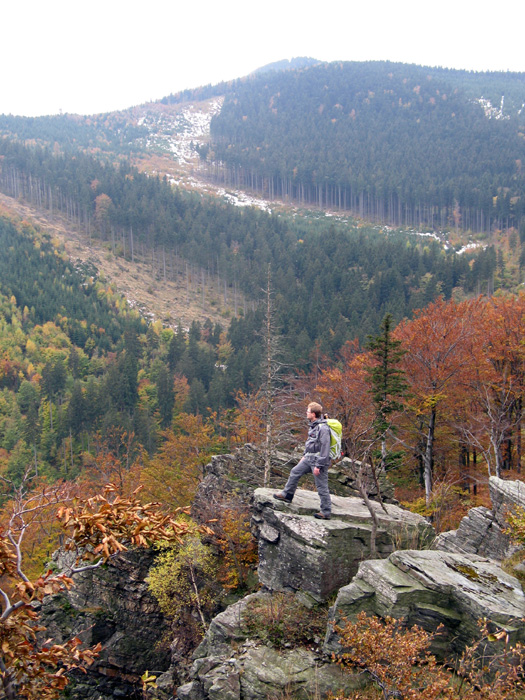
(300, 553)
(481, 531)
(342, 479)
(111, 605)
(429, 588)
(230, 666)
(238, 474)
(454, 584)
(312, 558)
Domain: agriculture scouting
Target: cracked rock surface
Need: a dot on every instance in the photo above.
(299, 553)
(429, 588)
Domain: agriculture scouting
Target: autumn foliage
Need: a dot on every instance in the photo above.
(98, 528)
(173, 473)
(237, 546)
(459, 418)
(398, 662)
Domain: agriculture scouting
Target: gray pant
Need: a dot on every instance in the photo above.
(306, 466)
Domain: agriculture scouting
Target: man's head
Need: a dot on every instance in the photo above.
(314, 411)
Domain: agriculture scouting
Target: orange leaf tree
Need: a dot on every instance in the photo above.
(498, 384)
(173, 474)
(345, 394)
(99, 528)
(439, 343)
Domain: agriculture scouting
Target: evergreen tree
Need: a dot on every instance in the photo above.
(165, 396)
(387, 381)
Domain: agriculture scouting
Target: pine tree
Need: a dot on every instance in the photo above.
(387, 381)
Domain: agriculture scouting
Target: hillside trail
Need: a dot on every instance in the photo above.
(189, 296)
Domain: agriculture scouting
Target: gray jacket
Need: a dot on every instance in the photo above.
(318, 443)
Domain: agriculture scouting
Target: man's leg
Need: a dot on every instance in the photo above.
(321, 483)
(304, 467)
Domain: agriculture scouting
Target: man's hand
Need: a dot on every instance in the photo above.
(317, 471)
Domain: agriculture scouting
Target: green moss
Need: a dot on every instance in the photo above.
(473, 575)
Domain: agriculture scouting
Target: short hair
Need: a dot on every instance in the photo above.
(315, 408)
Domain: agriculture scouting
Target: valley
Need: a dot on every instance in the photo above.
(178, 280)
(178, 296)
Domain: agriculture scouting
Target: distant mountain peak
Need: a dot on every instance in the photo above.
(288, 64)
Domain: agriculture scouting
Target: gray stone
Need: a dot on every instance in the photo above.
(225, 628)
(342, 480)
(191, 691)
(164, 685)
(223, 683)
(260, 672)
(481, 531)
(112, 605)
(429, 588)
(504, 496)
(478, 533)
(298, 672)
(299, 553)
(236, 476)
(230, 666)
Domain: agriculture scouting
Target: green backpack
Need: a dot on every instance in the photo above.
(336, 436)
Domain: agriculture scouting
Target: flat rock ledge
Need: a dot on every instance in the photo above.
(229, 666)
(300, 553)
(429, 588)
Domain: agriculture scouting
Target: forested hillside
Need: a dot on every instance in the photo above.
(115, 133)
(397, 143)
(332, 282)
(387, 327)
(81, 372)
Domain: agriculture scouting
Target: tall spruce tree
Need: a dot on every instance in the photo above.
(387, 381)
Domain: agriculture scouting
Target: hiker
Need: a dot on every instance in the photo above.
(316, 459)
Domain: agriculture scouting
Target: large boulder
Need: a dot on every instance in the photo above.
(505, 495)
(299, 553)
(230, 666)
(236, 475)
(477, 533)
(430, 588)
(482, 530)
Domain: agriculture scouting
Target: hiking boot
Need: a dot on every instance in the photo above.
(320, 516)
(282, 497)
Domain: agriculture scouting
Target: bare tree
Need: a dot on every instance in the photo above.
(364, 472)
(273, 397)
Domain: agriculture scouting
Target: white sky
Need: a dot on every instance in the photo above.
(103, 55)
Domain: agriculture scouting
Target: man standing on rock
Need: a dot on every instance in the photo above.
(316, 459)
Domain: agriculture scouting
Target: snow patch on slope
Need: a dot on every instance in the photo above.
(490, 111)
(182, 132)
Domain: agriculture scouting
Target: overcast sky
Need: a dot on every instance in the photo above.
(98, 56)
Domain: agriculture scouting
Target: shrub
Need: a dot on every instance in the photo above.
(282, 620)
(400, 665)
(237, 547)
(183, 582)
